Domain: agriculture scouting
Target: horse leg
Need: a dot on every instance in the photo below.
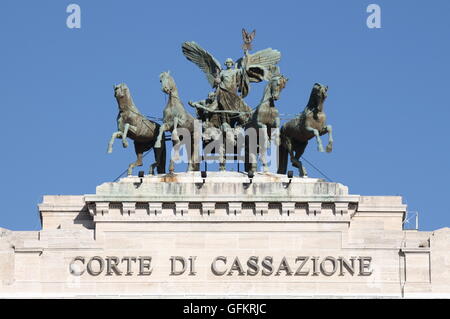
(111, 142)
(317, 135)
(175, 137)
(265, 134)
(282, 156)
(124, 135)
(175, 152)
(247, 166)
(162, 129)
(222, 157)
(229, 134)
(137, 163)
(295, 156)
(277, 130)
(329, 129)
(171, 166)
(298, 153)
(299, 165)
(263, 145)
(290, 150)
(250, 156)
(194, 162)
(263, 156)
(160, 160)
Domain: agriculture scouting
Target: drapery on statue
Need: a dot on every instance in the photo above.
(230, 81)
(176, 116)
(296, 133)
(131, 123)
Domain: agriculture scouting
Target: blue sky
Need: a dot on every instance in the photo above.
(387, 101)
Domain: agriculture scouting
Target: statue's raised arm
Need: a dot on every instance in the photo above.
(205, 61)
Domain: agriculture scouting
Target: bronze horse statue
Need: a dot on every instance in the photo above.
(131, 123)
(264, 120)
(296, 133)
(175, 117)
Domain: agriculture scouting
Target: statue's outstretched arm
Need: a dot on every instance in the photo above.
(199, 104)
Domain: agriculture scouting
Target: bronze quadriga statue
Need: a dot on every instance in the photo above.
(225, 115)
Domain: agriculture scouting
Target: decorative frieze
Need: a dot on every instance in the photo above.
(258, 208)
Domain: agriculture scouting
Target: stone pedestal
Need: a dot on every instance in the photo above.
(177, 235)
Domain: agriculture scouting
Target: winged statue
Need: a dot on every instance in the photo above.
(231, 80)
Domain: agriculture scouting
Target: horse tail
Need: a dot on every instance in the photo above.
(282, 156)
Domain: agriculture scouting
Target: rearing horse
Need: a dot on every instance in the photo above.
(296, 133)
(265, 118)
(176, 116)
(131, 123)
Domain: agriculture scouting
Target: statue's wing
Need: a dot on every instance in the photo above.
(205, 61)
(266, 57)
(260, 64)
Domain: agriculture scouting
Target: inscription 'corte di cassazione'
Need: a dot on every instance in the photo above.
(226, 266)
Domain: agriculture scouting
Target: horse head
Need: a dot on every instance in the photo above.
(122, 94)
(167, 83)
(320, 91)
(120, 90)
(277, 84)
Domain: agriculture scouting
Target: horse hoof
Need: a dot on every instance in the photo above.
(329, 149)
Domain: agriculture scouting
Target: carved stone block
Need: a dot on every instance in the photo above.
(181, 208)
(155, 208)
(101, 208)
(287, 208)
(314, 208)
(234, 208)
(208, 208)
(261, 208)
(128, 208)
(341, 208)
